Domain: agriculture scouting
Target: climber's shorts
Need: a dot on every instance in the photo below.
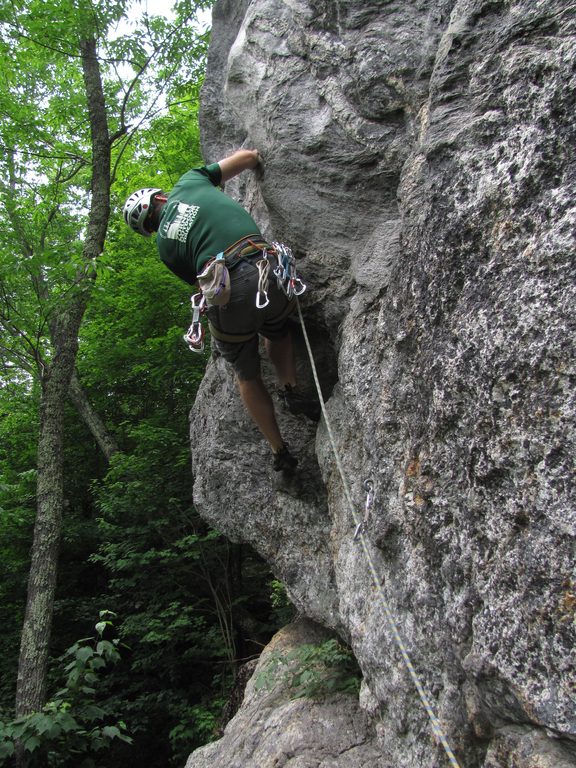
(236, 325)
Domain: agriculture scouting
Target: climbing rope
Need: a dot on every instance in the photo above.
(360, 535)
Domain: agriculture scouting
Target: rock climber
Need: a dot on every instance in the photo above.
(195, 222)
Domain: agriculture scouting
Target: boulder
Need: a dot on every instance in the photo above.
(276, 727)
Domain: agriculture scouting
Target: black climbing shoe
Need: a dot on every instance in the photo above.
(288, 483)
(284, 461)
(298, 404)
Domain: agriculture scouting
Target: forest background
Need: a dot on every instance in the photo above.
(124, 617)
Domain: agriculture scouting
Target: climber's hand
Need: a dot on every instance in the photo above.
(259, 167)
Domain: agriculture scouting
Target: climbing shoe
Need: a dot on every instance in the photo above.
(284, 461)
(297, 404)
(288, 483)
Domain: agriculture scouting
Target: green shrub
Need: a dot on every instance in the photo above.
(282, 609)
(313, 671)
(72, 727)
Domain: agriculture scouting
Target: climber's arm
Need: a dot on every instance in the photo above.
(239, 161)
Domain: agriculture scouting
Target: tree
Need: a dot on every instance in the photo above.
(56, 375)
(64, 126)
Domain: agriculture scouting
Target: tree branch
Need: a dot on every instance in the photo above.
(105, 441)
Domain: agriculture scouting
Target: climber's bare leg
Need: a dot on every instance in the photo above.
(259, 405)
(281, 355)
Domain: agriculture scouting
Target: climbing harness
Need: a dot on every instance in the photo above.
(194, 336)
(214, 283)
(360, 534)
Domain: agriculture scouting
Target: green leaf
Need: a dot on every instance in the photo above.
(6, 749)
(111, 731)
(32, 743)
(101, 626)
(84, 654)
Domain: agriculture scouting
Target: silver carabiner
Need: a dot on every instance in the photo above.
(360, 530)
(198, 301)
(298, 291)
(194, 337)
(262, 304)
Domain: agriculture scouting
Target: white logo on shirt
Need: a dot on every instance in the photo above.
(178, 228)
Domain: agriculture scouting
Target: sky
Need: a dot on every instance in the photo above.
(153, 8)
(164, 8)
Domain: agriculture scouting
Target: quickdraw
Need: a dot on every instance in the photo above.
(285, 272)
(362, 526)
(262, 299)
(194, 336)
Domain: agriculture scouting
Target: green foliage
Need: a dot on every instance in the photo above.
(152, 74)
(312, 671)
(282, 609)
(73, 727)
(131, 538)
(18, 431)
(181, 590)
(198, 724)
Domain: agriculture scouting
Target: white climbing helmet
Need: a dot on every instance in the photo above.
(137, 208)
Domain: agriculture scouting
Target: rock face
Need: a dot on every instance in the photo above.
(420, 160)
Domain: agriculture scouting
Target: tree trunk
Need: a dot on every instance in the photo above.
(37, 626)
(31, 686)
(105, 441)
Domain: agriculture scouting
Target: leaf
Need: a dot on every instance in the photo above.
(32, 743)
(84, 654)
(92, 712)
(6, 749)
(46, 724)
(111, 731)
(101, 626)
(69, 723)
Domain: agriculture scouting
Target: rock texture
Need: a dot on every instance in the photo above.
(274, 728)
(420, 159)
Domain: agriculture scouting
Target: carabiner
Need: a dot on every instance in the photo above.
(198, 301)
(369, 488)
(194, 337)
(360, 530)
(262, 304)
(298, 291)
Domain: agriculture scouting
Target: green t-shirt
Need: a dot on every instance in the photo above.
(199, 221)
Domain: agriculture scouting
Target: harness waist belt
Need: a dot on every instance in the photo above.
(244, 248)
(233, 338)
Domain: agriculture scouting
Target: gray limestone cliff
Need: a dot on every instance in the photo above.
(420, 161)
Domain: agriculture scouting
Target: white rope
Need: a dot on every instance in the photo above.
(436, 727)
